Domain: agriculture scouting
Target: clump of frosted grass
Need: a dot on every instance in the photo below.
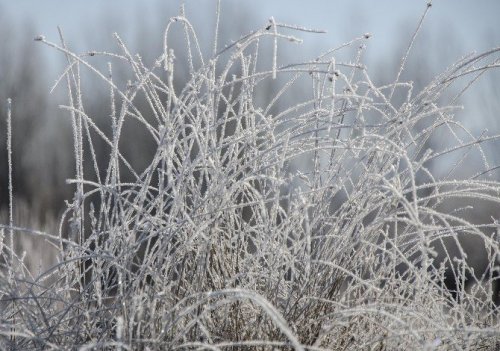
(260, 223)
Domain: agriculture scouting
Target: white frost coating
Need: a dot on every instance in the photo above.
(315, 225)
(11, 186)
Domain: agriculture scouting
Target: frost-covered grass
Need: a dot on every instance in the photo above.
(261, 225)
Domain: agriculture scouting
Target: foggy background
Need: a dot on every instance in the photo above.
(42, 137)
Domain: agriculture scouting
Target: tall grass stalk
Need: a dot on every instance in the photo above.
(264, 224)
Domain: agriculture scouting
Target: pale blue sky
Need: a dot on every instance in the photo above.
(474, 23)
(452, 28)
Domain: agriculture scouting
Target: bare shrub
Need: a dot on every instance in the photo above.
(315, 227)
